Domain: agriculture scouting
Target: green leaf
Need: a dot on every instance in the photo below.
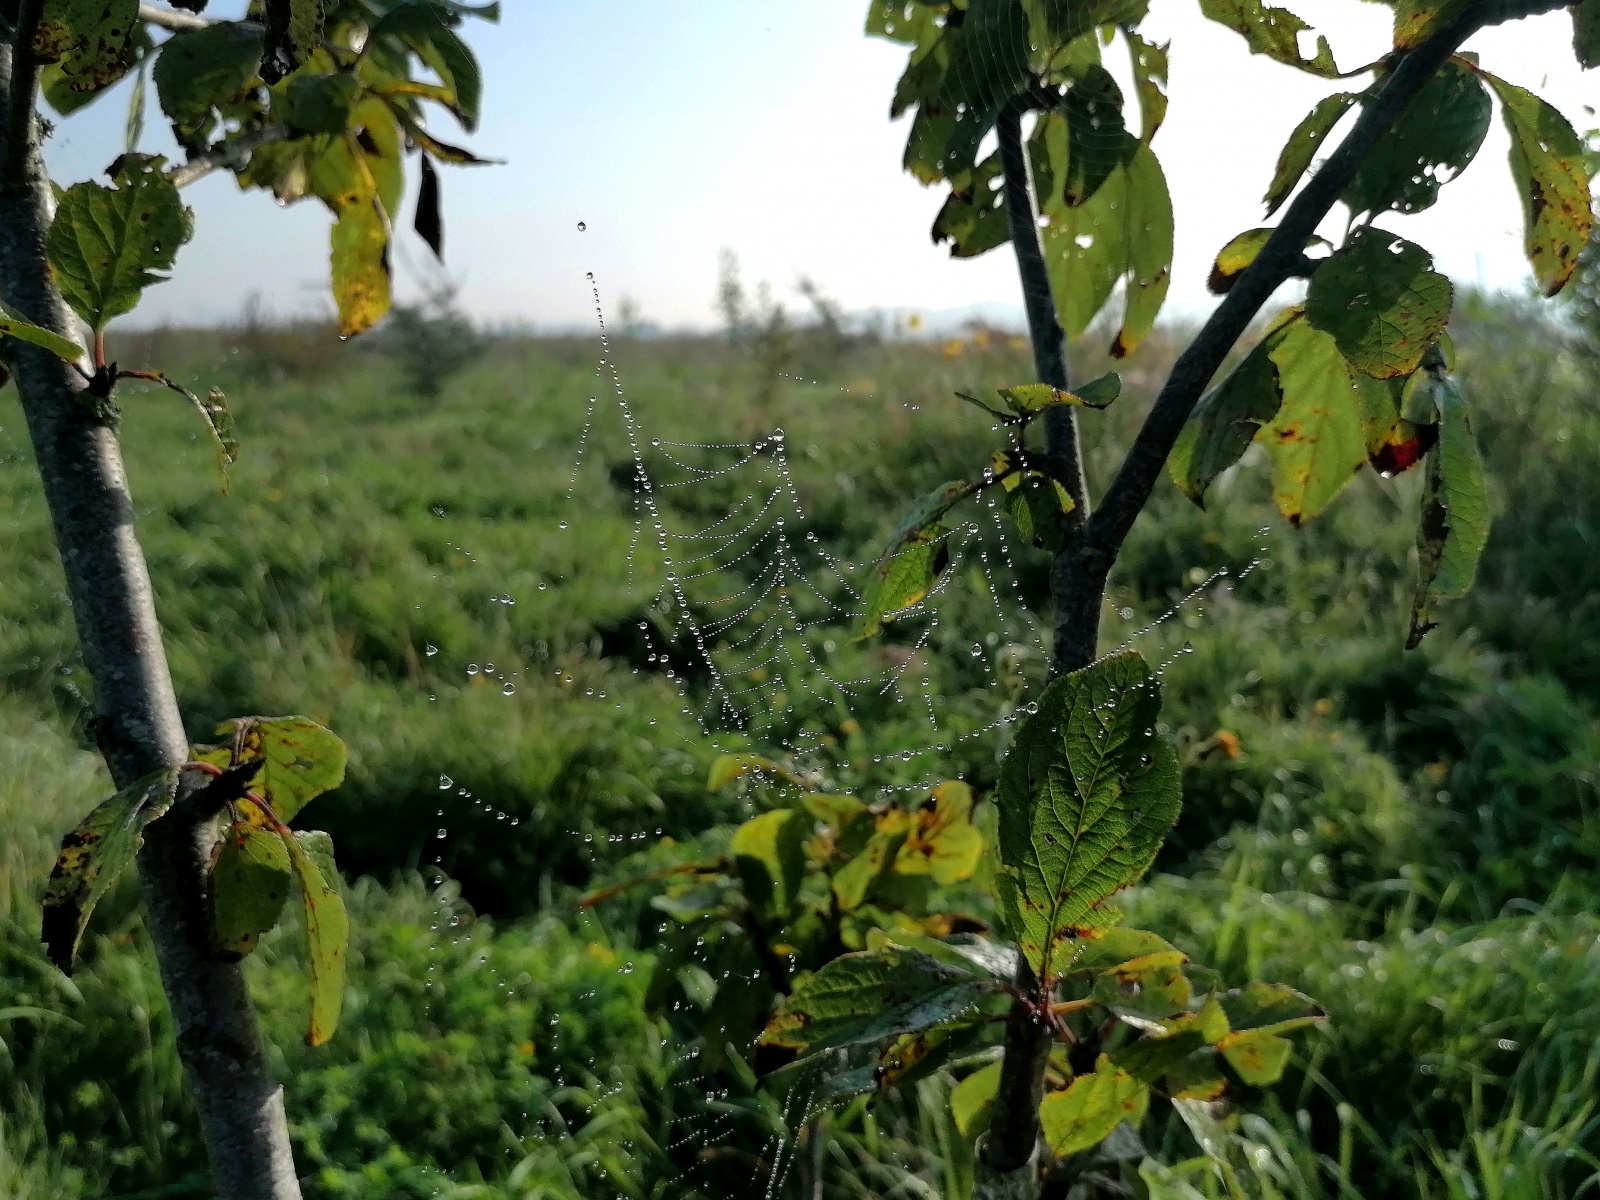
(107, 244)
(1434, 140)
(1087, 793)
(1316, 440)
(769, 850)
(1274, 32)
(91, 39)
(1145, 989)
(293, 33)
(1257, 1056)
(854, 880)
(360, 264)
(729, 768)
(427, 29)
(1036, 397)
(908, 21)
(973, 219)
(249, 885)
(13, 324)
(1097, 141)
(1270, 1008)
(902, 578)
(1148, 1059)
(300, 759)
(201, 70)
(1382, 301)
(101, 847)
(987, 66)
(1586, 32)
(321, 103)
(837, 811)
(1092, 1105)
(1547, 165)
(1455, 512)
(872, 996)
(971, 1099)
(327, 939)
(1226, 421)
(1036, 506)
(1303, 145)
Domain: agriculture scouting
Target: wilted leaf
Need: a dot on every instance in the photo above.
(107, 244)
(360, 262)
(1303, 145)
(1274, 32)
(103, 845)
(1547, 165)
(1455, 513)
(1036, 397)
(1092, 1105)
(971, 1099)
(1087, 793)
(249, 885)
(429, 219)
(327, 940)
(769, 851)
(1382, 301)
(1316, 440)
(872, 996)
(300, 759)
(1434, 139)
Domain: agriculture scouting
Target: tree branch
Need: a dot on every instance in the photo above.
(1278, 261)
(177, 22)
(137, 722)
(230, 155)
(20, 89)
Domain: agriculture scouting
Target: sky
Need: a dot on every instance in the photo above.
(671, 132)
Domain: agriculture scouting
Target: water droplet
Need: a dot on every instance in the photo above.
(976, 650)
(510, 689)
(563, 525)
(472, 668)
(431, 650)
(589, 275)
(446, 783)
(581, 227)
(441, 833)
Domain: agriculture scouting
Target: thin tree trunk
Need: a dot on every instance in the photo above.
(137, 723)
(1076, 629)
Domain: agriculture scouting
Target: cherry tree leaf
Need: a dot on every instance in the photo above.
(1258, 1057)
(1150, 81)
(874, 995)
(92, 40)
(973, 219)
(1087, 793)
(107, 244)
(93, 854)
(293, 33)
(1270, 1008)
(1082, 1115)
(1586, 32)
(1548, 167)
(1303, 145)
(200, 70)
(359, 259)
(1382, 301)
(942, 841)
(1274, 32)
(427, 29)
(1434, 140)
(971, 1099)
(300, 759)
(1455, 512)
(769, 851)
(13, 324)
(1235, 258)
(327, 936)
(249, 885)
(1317, 439)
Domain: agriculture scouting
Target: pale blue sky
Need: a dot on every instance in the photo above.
(674, 130)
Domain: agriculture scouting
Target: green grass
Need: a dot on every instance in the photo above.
(1410, 838)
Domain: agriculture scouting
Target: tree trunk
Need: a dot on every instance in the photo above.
(137, 723)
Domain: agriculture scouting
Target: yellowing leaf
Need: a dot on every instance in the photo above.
(327, 940)
(1257, 1056)
(360, 262)
(1316, 440)
(101, 847)
(970, 1100)
(943, 841)
(15, 325)
(729, 768)
(300, 759)
(771, 844)
(1547, 165)
(91, 38)
(1092, 1105)
(1274, 32)
(852, 881)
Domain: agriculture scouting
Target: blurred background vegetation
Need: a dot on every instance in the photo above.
(1410, 838)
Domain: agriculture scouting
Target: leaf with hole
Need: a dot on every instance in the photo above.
(1037, 505)
(1548, 166)
(107, 244)
(1087, 793)
(973, 219)
(1382, 301)
(872, 996)
(1433, 141)
(1274, 32)
(90, 38)
(100, 848)
(1454, 527)
(1082, 1115)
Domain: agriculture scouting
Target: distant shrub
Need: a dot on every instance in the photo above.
(432, 341)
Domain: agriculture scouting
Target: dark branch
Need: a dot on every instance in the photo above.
(19, 98)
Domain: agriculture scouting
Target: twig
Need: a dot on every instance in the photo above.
(178, 22)
(231, 154)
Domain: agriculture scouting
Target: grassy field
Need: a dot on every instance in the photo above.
(1411, 838)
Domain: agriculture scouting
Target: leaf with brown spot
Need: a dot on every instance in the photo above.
(1316, 440)
(100, 848)
(327, 933)
(1548, 167)
(1257, 1056)
(1092, 1105)
(1382, 301)
(249, 885)
(300, 759)
(91, 38)
(1274, 32)
(942, 841)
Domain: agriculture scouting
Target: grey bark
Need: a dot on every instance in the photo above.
(137, 722)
